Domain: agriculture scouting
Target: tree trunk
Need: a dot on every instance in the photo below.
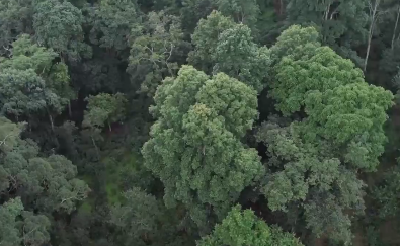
(95, 146)
(109, 126)
(395, 26)
(51, 121)
(69, 108)
(373, 12)
(368, 51)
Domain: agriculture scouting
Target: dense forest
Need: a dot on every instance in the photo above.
(199, 122)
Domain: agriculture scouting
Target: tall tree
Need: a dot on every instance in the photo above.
(375, 13)
(33, 188)
(340, 130)
(112, 21)
(387, 193)
(195, 146)
(296, 41)
(153, 48)
(31, 82)
(192, 11)
(243, 11)
(242, 228)
(16, 18)
(224, 46)
(342, 23)
(105, 107)
(58, 25)
(143, 220)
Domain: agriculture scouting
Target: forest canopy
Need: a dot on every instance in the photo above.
(199, 122)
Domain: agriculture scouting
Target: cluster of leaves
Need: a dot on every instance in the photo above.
(241, 228)
(33, 188)
(153, 46)
(70, 69)
(221, 45)
(339, 131)
(104, 108)
(195, 146)
(31, 81)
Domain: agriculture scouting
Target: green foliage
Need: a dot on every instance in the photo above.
(223, 46)
(15, 19)
(154, 44)
(298, 74)
(27, 55)
(243, 11)
(335, 19)
(58, 25)
(112, 22)
(105, 108)
(9, 233)
(35, 229)
(50, 182)
(205, 38)
(352, 115)
(21, 227)
(9, 134)
(195, 144)
(138, 218)
(143, 220)
(242, 228)
(192, 11)
(239, 57)
(309, 176)
(123, 55)
(340, 106)
(387, 193)
(313, 162)
(22, 92)
(296, 41)
(31, 83)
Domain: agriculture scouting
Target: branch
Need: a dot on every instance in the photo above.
(4, 140)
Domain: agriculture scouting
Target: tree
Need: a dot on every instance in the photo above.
(192, 11)
(9, 233)
(352, 117)
(154, 44)
(59, 26)
(32, 83)
(240, 58)
(195, 146)
(242, 228)
(18, 99)
(105, 108)
(310, 184)
(341, 23)
(21, 227)
(296, 41)
(327, 77)
(143, 220)
(375, 12)
(9, 133)
(387, 195)
(339, 130)
(205, 38)
(35, 229)
(224, 46)
(243, 11)
(16, 17)
(112, 22)
(321, 70)
(45, 184)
